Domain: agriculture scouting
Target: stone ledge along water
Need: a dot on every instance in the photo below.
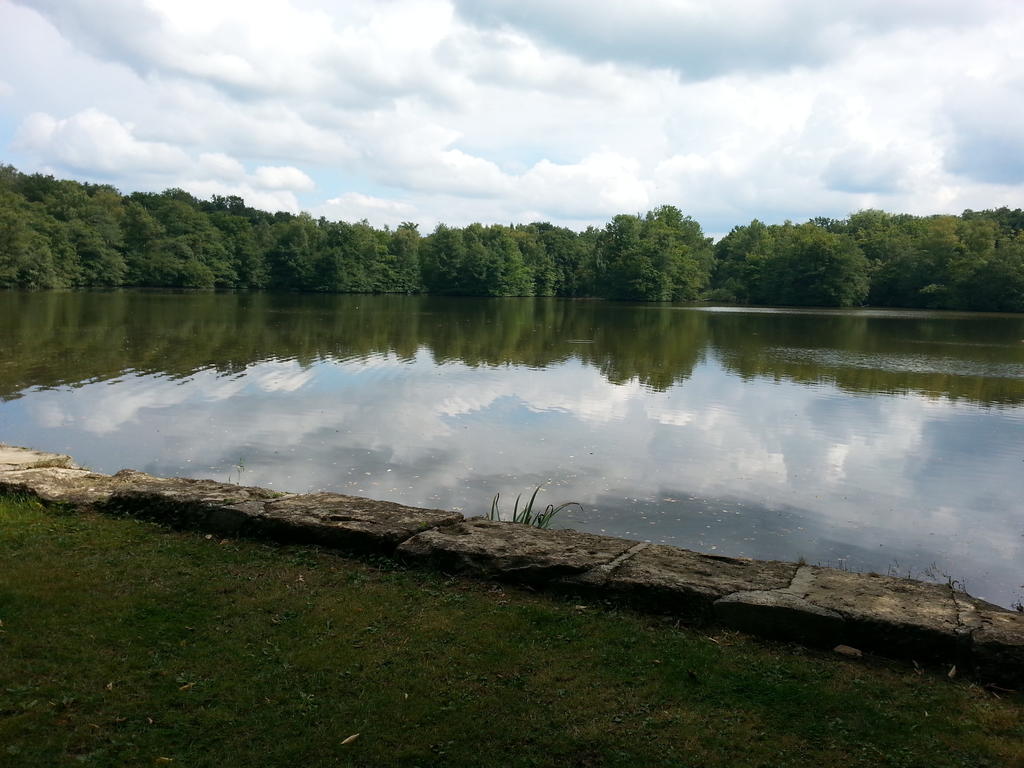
(815, 605)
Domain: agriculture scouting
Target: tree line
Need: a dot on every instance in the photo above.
(59, 233)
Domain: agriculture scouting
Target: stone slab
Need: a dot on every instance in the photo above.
(997, 640)
(190, 503)
(673, 580)
(59, 485)
(14, 458)
(896, 616)
(781, 615)
(348, 522)
(998, 648)
(512, 552)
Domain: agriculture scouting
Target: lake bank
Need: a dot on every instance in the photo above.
(792, 601)
(125, 643)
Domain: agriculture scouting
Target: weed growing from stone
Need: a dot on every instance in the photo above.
(527, 515)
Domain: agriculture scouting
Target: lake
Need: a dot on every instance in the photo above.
(880, 440)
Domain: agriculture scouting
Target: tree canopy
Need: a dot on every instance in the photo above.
(57, 233)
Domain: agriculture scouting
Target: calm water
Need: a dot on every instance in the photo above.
(877, 440)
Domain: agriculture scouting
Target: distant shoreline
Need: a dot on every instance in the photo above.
(67, 234)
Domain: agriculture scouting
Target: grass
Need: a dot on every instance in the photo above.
(527, 515)
(125, 644)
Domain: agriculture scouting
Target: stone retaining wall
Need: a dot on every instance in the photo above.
(817, 606)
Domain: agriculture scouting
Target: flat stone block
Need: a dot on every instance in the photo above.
(998, 648)
(188, 503)
(894, 616)
(781, 615)
(348, 522)
(13, 458)
(60, 485)
(512, 552)
(676, 580)
(997, 640)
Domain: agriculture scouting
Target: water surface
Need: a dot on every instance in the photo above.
(874, 440)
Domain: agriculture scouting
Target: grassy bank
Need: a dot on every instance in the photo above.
(125, 644)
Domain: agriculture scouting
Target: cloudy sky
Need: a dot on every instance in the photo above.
(523, 110)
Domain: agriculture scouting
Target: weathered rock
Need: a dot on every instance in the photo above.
(997, 639)
(348, 522)
(14, 458)
(779, 614)
(189, 503)
(512, 552)
(998, 648)
(897, 616)
(674, 580)
(60, 485)
(845, 650)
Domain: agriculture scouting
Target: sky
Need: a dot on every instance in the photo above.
(525, 110)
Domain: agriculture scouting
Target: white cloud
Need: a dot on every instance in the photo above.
(257, 197)
(353, 206)
(500, 111)
(282, 177)
(93, 141)
(604, 181)
(220, 166)
(97, 144)
(701, 40)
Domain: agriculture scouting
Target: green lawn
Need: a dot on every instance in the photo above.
(126, 644)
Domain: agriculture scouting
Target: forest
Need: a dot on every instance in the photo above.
(59, 233)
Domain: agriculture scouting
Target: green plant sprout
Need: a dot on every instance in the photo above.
(527, 515)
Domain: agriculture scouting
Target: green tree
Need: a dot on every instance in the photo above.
(810, 266)
(740, 257)
(290, 259)
(26, 258)
(404, 248)
(443, 255)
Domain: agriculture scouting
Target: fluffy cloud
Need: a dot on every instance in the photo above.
(92, 140)
(99, 144)
(433, 110)
(700, 40)
(275, 48)
(282, 177)
(354, 206)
